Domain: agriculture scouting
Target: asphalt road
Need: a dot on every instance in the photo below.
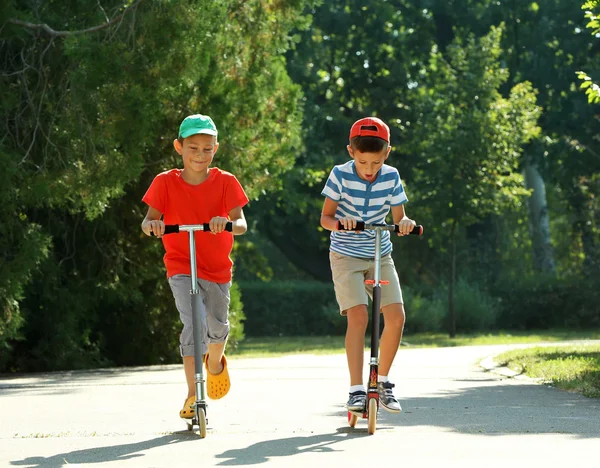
(289, 411)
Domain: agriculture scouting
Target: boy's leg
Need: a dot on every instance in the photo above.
(215, 365)
(215, 357)
(393, 316)
(188, 367)
(216, 300)
(358, 319)
(180, 286)
(348, 279)
(349, 286)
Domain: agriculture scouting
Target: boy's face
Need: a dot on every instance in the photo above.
(197, 151)
(368, 164)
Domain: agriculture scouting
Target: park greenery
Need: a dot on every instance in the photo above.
(495, 132)
(574, 368)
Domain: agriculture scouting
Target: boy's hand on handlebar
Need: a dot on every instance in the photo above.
(156, 227)
(349, 224)
(218, 224)
(406, 225)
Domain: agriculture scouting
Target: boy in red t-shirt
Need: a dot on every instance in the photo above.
(198, 194)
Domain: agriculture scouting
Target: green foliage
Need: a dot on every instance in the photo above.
(23, 246)
(475, 308)
(291, 308)
(592, 14)
(571, 368)
(236, 318)
(469, 154)
(468, 139)
(354, 59)
(423, 313)
(87, 121)
(541, 302)
(592, 90)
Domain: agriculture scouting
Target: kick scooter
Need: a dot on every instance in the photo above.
(370, 412)
(200, 420)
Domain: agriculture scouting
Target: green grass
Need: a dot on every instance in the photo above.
(571, 368)
(277, 346)
(498, 337)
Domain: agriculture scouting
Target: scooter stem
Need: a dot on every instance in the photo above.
(376, 300)
(197, 325)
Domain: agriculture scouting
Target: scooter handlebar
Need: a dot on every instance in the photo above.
(362, 226)
(175, 228)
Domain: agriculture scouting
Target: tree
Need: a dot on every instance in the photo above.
(468, 140)
(355, 59)
(91, 100)
(593, 15)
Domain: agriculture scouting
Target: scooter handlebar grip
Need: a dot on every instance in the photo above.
(360, 226)
(228, 227)
(171, 228)
(416, 231)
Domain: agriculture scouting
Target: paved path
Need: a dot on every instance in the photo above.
(288, 412)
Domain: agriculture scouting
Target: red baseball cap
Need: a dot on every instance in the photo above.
(360, 128)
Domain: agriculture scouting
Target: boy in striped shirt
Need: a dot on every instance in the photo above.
(366, 189)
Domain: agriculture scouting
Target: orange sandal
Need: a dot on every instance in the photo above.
(217, 384)
(188, 411)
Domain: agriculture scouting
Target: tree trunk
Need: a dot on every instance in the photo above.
(539, 221)
(582, 205)
(451, 314)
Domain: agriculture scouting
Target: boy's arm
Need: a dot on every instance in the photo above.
(406, 224)
(328, 219)
(152, 223)
(238, 221)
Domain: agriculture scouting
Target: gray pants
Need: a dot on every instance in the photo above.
(214, 311)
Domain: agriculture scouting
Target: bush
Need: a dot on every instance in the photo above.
(291, 308)
(474, 308)
(236, 318)
(423, 314)
(547, 302)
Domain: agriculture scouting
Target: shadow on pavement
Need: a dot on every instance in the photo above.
(498, 410)
(104, 454)
(262, 451)
(67, 382)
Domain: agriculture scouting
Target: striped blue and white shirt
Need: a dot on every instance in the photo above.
(363, 201)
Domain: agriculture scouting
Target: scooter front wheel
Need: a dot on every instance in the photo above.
(352, 418)
(202, 422)
(372, 417)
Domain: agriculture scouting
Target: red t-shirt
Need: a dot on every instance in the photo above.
(183, 203)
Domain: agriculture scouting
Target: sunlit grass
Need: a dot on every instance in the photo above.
(573, 368)
(276, 346)
(499, 337)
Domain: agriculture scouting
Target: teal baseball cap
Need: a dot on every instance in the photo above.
(195, 124)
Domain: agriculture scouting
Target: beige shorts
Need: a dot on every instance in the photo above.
(349, 275)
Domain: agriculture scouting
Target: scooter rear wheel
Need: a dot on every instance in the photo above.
(352, 418)
(372, 417)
